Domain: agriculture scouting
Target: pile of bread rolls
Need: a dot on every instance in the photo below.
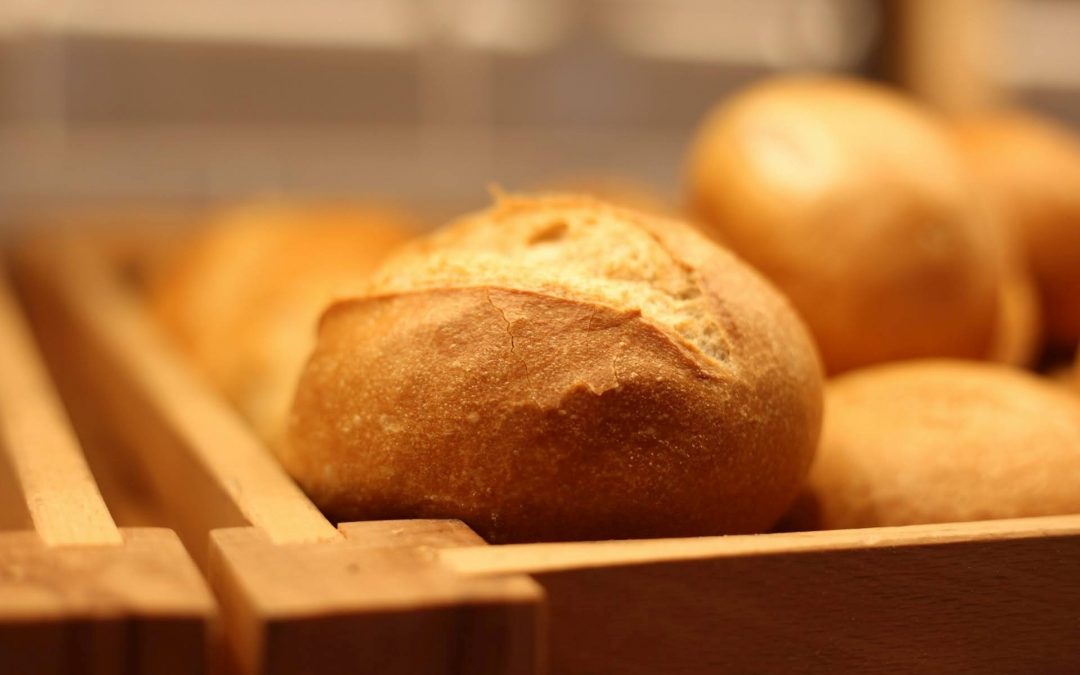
(914, 246)
(560, 367)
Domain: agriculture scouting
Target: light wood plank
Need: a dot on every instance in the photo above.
(60, 492)
(138, 607)
(377, 602)
(513, 558)
(999, 596)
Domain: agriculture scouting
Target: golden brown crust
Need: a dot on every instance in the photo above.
(244, 297)
(539, 406)
(854, 202)
(1031, 167)
(940, 441)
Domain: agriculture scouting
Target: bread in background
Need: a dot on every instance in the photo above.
(243, 298)
(942, 441)
(557, 368)
(855, 202)
(1031, 167)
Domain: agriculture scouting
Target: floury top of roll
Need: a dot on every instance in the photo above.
(559, 368)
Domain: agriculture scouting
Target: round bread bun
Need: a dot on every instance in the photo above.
(942, 441)
(1031, 166)
(855, 202)
(243, 299)
(557, 368)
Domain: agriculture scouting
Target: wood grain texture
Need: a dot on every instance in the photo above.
(59, 491)
(376, 602)
(135, 608)
(999, 596)
(192, 445)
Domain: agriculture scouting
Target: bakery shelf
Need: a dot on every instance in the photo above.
(429, 596)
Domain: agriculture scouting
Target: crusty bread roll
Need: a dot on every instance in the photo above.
(942, 441)
(244, 298)
(557, 368)
(1032, 167)
(854, 201)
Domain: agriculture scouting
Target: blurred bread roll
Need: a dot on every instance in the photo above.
(942, 441)
(854, 201)
(243, 298)
(1031, 167)
(557, 368)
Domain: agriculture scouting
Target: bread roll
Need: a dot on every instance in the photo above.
(244, 298)
(942, 441)
(854, 201)
(1032, 167)
(556, 368)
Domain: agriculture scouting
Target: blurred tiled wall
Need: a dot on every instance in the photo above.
(430, 101)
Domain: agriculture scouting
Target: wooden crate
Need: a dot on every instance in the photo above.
(78, 594)
(428, 596)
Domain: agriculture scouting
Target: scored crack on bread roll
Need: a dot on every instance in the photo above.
(854, 201)
(942, 441)
(1031, 169)
(244, 297)
(557, 368)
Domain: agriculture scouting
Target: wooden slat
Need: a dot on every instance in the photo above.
(60, 492)
(998, 596)
(950, 52)
(195, 427)
(375, 603)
